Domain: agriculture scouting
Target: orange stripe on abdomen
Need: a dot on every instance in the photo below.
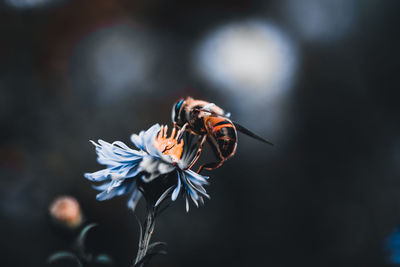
(217, 128)
(216, 123)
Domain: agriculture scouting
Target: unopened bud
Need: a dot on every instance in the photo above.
(66, 211)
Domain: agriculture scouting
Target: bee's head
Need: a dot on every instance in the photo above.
(178, 113)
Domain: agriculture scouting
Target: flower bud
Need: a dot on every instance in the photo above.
(66, 211)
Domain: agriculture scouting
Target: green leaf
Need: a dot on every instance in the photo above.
(63, 255)
(140, 230)
(103, 258)
(153, 245)
(147, 257)
(82, 236)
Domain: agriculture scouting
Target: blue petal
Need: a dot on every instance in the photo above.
(163, 196)
(120, 147)
(94, 143)
(102, 187)
(105, 149)
(98, 176)
(194, 201)
(189, 188)
(135, 170)
(105, 195)
(116, 153)
(200, 189)
(125, 188)
(177, 189)
(139, 140)
(115, 184)
(113, 162)
(120, 188)
(196, 178)
(124, 170)
(187, 204)
(149, 138)
(134, 199)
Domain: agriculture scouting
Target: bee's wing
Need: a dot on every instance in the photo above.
(207, 108)
(246, 131)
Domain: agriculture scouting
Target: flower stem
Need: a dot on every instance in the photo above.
(145, 236)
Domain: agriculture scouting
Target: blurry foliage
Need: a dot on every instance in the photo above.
(79, 255)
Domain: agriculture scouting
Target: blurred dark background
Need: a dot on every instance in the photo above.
(319, 78)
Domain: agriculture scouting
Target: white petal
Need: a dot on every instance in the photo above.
(165, 168)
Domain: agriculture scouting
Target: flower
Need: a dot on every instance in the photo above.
(157, 156)
(66, 211)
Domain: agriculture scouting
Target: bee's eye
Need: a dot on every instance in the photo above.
(178, 106)
(176, 110)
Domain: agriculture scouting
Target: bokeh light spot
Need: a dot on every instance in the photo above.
(320, 20)
(252, 56)
(113, 61)
(27, 4)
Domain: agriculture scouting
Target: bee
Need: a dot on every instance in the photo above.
(213, 125)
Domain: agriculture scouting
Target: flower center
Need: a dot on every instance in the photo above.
(169, 145)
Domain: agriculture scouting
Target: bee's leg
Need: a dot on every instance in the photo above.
(203, 139)
(213, 165)
(181, 131)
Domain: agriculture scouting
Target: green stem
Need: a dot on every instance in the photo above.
(145, 235)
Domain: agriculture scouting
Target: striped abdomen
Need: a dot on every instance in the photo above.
(224, 134)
